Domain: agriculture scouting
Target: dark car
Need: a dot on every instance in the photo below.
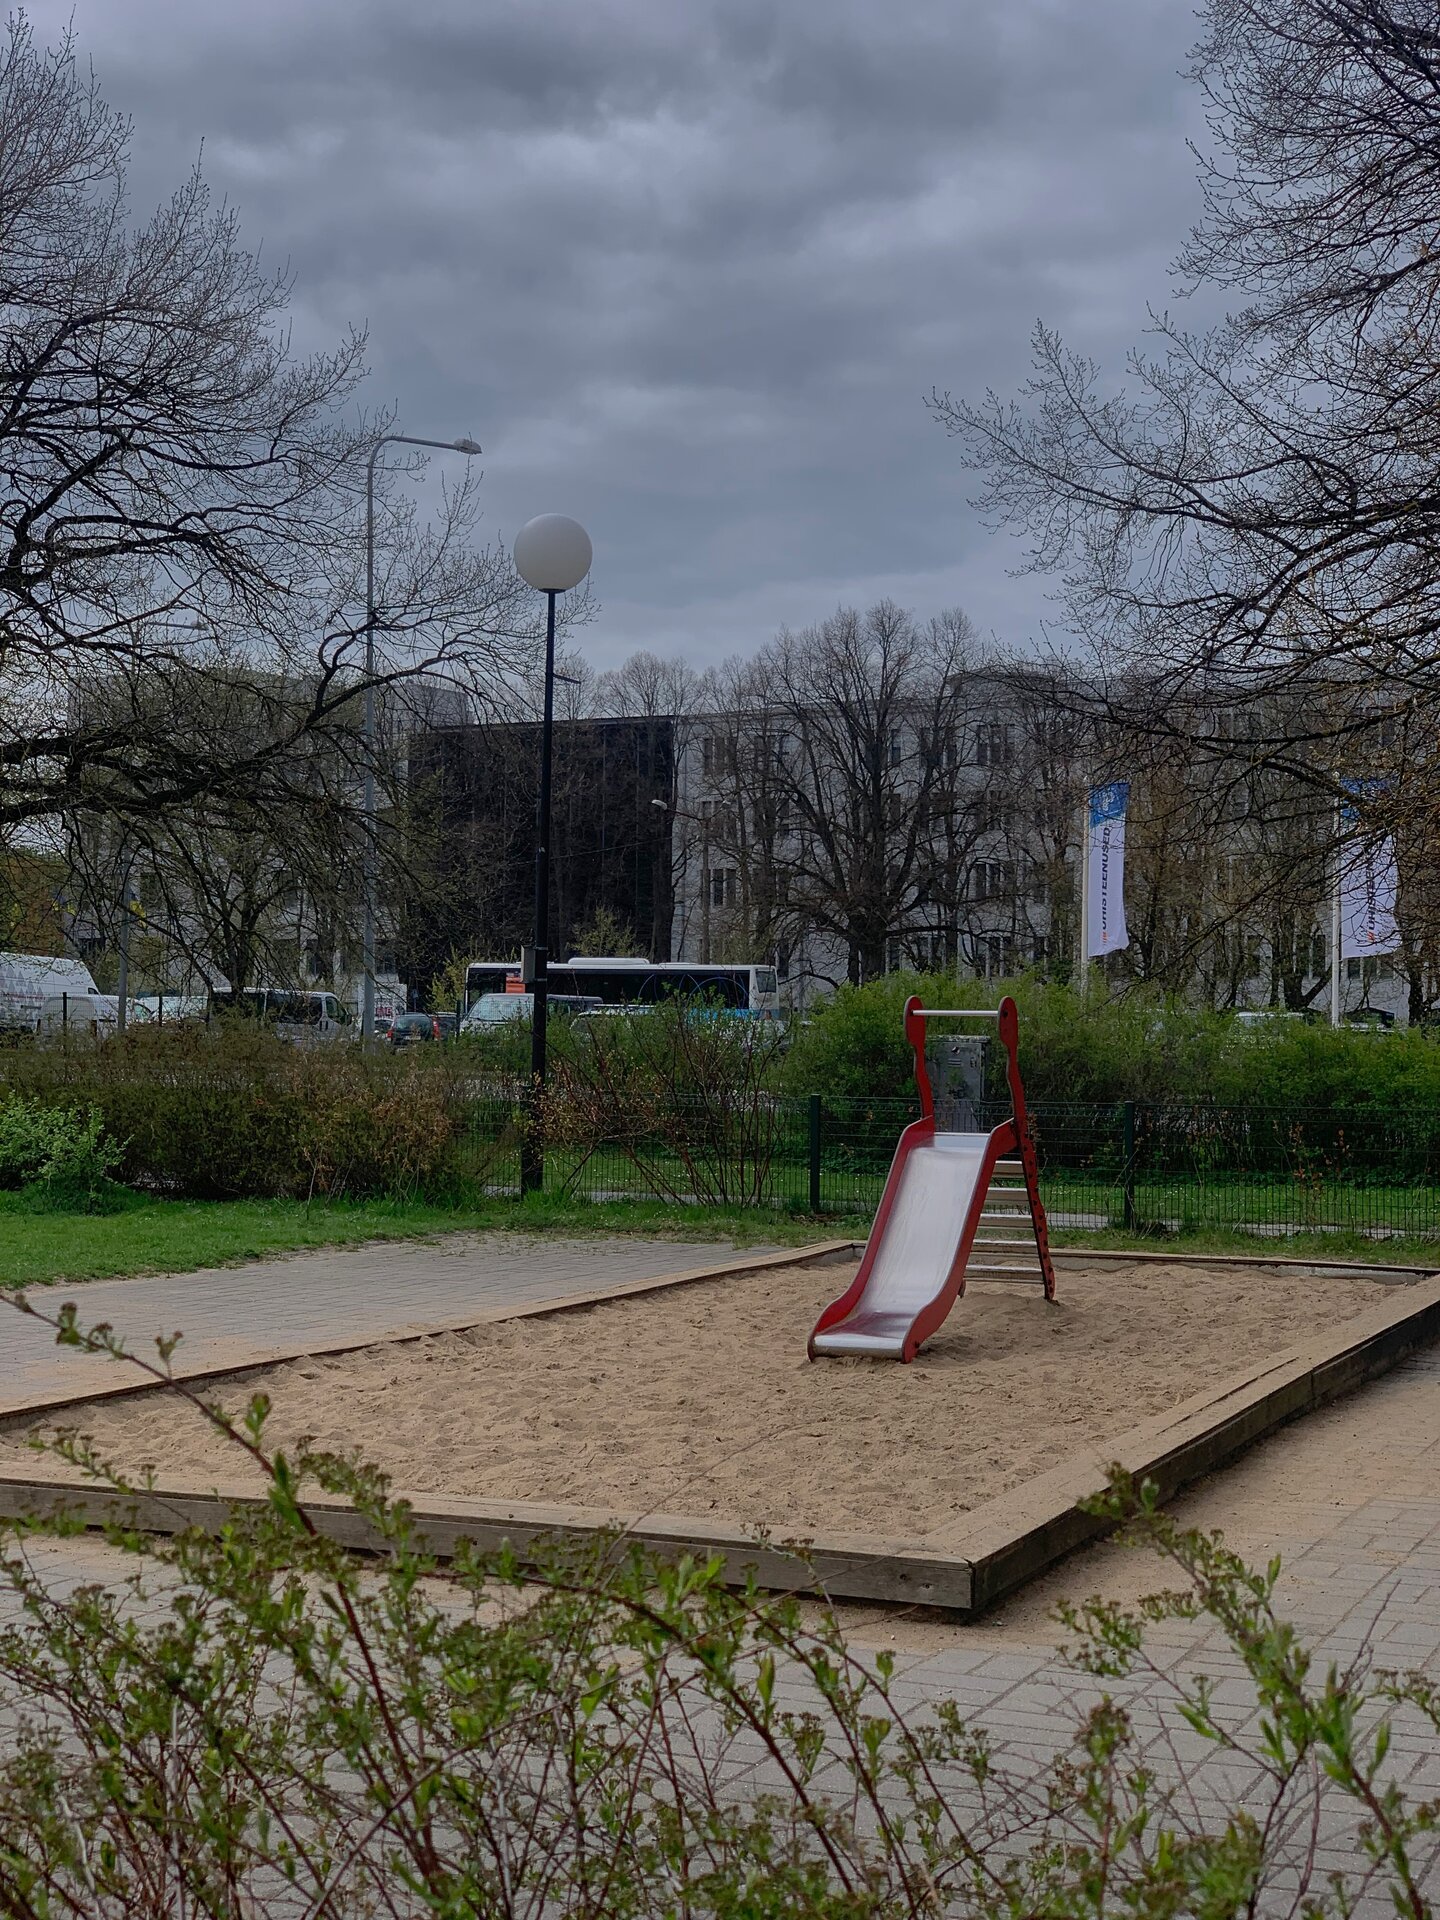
(409, 1029)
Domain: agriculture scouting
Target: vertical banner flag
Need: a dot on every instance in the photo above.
(1105, 869)
(1367, 885)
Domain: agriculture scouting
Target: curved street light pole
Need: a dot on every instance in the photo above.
(371, 863)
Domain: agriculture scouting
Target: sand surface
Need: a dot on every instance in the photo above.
(700, 1400)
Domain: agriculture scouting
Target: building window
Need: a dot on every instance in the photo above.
(992, 744)
(995, 956)
(894, 959)
(1057, 736)
(895, 749)
(992, 880)
(1352, 969)
(723, 884)
(717, 755)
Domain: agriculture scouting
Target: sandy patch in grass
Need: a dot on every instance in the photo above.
(699, 1399)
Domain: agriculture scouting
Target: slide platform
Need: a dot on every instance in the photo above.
(954, 1205)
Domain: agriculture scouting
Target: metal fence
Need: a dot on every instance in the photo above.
(1130, 1164)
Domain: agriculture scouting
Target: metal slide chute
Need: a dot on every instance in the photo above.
(952, 1206)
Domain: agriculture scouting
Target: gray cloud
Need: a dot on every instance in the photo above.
(687, 271)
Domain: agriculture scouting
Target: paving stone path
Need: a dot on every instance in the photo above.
(303, 1301)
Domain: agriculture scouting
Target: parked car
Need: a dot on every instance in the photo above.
(97, 1014)
(493, 1010)
(447, 1024)
(169, 1009)
(409, 1029)
(1376, 1019)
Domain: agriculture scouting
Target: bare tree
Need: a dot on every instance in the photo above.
(1261, 502)
(862, 706)
(178, 492)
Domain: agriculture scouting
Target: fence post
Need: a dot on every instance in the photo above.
(1128, 1175)
(814, 1153)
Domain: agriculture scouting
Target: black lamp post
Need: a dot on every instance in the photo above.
(553, 554)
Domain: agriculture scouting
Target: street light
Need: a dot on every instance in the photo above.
(468, 447)
(552, 554)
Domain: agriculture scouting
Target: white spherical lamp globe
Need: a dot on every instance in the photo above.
(553, 553)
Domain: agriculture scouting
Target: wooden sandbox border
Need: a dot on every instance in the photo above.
(964, 1567)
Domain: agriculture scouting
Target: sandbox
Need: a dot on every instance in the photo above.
(699, 1399)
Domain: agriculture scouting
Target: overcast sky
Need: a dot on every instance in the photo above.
(687, 268)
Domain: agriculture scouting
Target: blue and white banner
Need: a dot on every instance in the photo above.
(1105, 869)
(1367, 886)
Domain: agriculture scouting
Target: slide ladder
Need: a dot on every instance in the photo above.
(956, 1206)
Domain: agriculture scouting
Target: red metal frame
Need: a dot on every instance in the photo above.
(1011, 1136)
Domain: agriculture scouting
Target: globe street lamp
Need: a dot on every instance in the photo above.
(552, 554)
(367, 987)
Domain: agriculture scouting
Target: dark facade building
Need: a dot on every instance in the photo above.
(473, 791)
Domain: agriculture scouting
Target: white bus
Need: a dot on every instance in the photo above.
(750, 989)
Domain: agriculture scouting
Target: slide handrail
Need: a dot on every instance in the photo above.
(958, 1013)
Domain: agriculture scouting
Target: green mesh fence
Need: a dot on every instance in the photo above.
(1137, 1165)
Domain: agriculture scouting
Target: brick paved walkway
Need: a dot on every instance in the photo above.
(231, 1315)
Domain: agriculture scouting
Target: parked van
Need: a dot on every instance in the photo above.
(28, 980)
(304, 1018)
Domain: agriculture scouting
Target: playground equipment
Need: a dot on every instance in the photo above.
(948, 1195)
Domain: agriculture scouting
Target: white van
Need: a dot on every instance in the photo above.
(28, 980)
(298, 1015)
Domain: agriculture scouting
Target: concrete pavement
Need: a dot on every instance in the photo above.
(323, 1297)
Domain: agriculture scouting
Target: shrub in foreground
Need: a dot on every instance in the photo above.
(267, 1723)
(59, 1156)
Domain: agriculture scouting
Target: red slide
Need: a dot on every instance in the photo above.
(948, 1196)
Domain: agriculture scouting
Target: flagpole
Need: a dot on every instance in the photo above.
(1082, 959)
(1335, 922)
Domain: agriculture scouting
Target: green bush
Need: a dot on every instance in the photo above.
(58, 1155)
(233, 1112)
(1135, 1047)
(854, 1047)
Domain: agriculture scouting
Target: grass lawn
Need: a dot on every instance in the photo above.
(1401, 1250)
(177, 1236)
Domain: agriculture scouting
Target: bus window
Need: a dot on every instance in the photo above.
(765, 982)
